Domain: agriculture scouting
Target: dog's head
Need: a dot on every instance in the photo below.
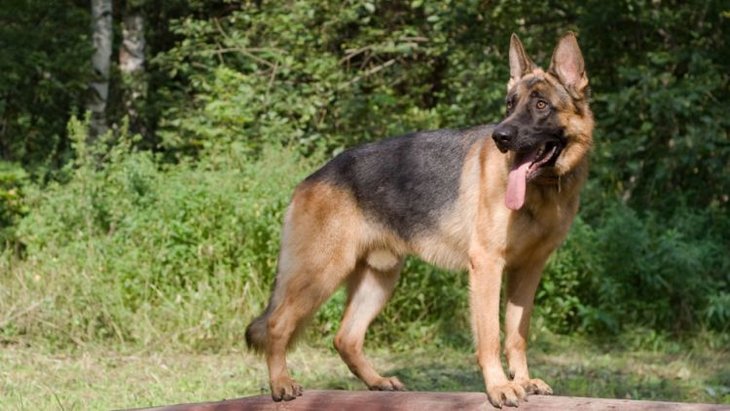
(548, 126)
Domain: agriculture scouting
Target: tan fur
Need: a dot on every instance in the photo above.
(368, 291)
(328, 240)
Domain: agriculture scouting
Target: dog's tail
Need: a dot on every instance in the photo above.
(256, 335)
(256, 332)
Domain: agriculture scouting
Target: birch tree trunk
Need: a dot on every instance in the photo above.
(131, 65)
(102, 34)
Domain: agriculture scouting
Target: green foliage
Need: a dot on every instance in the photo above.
(132, 250)
(45, 53)
(324, 74)
(640, 270)
(12, 205)
(429, 306)
(561, 298)
(662, 137)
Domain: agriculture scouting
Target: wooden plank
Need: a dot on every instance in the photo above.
(428, 401)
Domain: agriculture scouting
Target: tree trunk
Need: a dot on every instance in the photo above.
(131, 65)
(102, 34)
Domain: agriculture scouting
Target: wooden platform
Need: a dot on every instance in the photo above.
(428, 401)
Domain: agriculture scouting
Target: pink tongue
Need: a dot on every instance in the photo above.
(516, 184)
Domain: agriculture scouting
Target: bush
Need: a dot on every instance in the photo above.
(633, 269)
(12, 205)
(138, 251)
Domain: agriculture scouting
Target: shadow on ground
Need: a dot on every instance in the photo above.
(602, 377)
(422, 377)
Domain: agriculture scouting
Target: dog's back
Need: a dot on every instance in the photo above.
(406, 182)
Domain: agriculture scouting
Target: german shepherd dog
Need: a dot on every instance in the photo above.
(494, 199)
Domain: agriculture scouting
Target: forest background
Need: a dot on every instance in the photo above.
(148, 149)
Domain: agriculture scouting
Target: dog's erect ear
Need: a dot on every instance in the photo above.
(519, 63)
(567, 64)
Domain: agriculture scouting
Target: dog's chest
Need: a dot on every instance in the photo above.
(537, 233)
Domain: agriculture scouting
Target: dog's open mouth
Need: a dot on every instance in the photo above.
(545, 155)
(525, 167)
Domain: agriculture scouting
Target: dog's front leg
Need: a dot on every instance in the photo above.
(485, 276)
(521, 286)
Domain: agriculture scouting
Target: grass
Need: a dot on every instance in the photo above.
(97, 379)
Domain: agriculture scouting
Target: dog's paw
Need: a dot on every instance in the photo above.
(285, 388)
(387, 384)
(536, 386)
(509, 394)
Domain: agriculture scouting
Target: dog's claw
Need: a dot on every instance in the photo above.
(388, 384)
(536, 386)
(509, 394)
(285, 389)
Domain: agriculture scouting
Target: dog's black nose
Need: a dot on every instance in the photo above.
(503, 136)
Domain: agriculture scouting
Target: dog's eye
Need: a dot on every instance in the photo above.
(509, 105)
(541, 104)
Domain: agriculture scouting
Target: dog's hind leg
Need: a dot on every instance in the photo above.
(304, 292)
(368, 291)
(318, 251)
